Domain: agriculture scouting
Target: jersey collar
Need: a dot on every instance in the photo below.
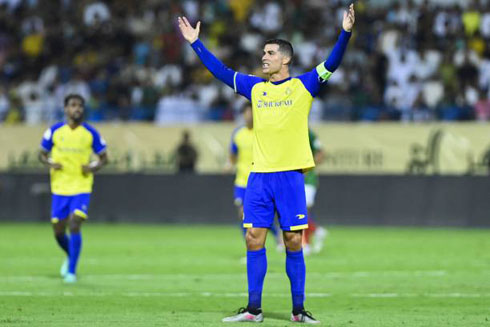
(282, 81)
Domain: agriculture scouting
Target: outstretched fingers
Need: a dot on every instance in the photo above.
(183, 22)
(186, 21)
(352, 13)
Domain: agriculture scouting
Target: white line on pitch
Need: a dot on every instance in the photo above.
(354, 274)
(240, 295)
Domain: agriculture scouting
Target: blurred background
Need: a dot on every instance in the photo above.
(404, 121)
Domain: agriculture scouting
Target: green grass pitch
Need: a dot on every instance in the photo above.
(160, 275)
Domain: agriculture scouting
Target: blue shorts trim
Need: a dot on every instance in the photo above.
(279, 192)
(239, 195)
(62, 206)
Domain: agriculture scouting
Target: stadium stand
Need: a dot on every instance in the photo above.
(413, 61)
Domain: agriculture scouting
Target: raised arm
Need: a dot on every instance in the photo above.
(216, 67)
(335, 57)
(323, 71)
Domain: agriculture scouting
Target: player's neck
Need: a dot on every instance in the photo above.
(281, 75)
(73, 124)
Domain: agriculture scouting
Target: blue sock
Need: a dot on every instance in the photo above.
(62, 240)
(256, 269)
(75, 247)
(296, 270)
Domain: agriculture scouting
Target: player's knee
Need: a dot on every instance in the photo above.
(59, 228)
(75, 224)
(293, 240)
(254, 240)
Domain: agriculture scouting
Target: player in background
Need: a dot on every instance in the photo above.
(314, 231)
(241, 158)
(281, 152)
(66, 148)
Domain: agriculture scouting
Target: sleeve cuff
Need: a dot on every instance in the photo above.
(344, 35)
(196, 44)
(101, 151)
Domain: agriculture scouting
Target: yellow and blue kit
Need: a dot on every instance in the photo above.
(72, 148)
(281, 146)
(241, 147)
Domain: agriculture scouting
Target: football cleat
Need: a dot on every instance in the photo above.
(304, 317)
(64, 268)
(243, 315)
(70, 278)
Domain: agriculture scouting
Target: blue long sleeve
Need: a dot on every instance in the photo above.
(216, 67)
(314, 78)
(338, 50)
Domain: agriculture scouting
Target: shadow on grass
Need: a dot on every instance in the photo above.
(276, 316)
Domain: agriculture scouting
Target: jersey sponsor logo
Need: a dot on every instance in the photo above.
(300, 216)
(70, 149)
(274, 104)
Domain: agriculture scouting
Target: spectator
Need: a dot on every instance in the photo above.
(471, 19)
(125, 53)
(482, 108)
(485, 24)
(186, 154)
(4, 103)
(177, 109)
(96, 13)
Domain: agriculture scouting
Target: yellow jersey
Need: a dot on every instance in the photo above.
(241, 146)
(280, 109)
(280, 116)
(72, 148)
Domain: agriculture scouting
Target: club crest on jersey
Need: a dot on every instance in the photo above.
(288, 91)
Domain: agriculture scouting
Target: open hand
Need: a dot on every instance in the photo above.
(349, 19)
(188, 32)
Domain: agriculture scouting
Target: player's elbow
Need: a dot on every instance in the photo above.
(104, 159)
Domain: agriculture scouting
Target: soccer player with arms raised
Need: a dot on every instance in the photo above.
(281, 152)
(66, 148)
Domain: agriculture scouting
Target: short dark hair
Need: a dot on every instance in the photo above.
(74, 96)
(284, 46)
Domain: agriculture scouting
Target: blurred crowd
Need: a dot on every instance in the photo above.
(407, 60)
